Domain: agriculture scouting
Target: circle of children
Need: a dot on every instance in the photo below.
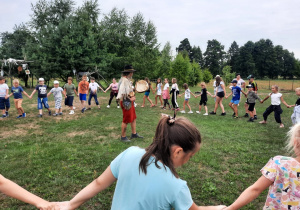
(147, 178)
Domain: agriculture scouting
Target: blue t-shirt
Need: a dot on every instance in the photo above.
(42, 91)
(236, 93)
(17, 91)
(159, 189)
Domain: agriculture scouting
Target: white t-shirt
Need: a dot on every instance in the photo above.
(275, 98)
(166, 86)
(219, 88)
(187, 94)
(3, 88)
(240, 82)
(159, 88)
(57, 92)
(94, 86)
(175, 86)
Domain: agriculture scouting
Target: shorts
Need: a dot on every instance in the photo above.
(251, 107)
(203, 102)
(18, 103)
(82, 97)
(220, 94)
(4, 103)
(69, 101)
(147, 93)
(42, 101)
(57, 103)
(158, 93)
(128, 115)
(236, 102)
(186, 99)
(246, 102)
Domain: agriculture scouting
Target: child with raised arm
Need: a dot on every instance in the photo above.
(42, 97)
(236, 96)
(93, 86)
(296, 113)
(17, 91)
(147, 178)
(4, 103)
(70, 92)
(276, 99)
(203, 99)
(187, 95)
(158, 92)
(281, 174)
(166, 95)
(83, 89)
(57, 97)
(113, 93)
(15, 191)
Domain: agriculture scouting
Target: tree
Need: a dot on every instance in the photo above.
(180, 69)
(195, 74)
(185, 46)
(232, 56)
(289, 64)
(196, 55)
(213, 56)
(165, 62)
(207, 76)
(245, 62)
(227, 74)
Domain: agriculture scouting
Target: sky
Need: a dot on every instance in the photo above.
(197, 20)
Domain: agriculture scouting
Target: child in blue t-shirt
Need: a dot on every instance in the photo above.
(17, 91)
(236, 95)
(42, 97)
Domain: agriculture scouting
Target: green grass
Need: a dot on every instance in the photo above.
(56, 157)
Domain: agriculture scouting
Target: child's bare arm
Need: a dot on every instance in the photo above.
(33, 92)
(283, 101)
(208, 93)
(26, 94)
(195, 207)
(244, 93)
(7, 96)
(108, 88)
(251, 193)
(265, 98)
(49, 94)
(193, 94)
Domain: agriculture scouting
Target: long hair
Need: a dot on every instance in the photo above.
(218, 81)
(293, 138)
(170, 132)
(159, 81)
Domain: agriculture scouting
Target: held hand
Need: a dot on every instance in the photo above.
(288, 106)
(262, 102)
(63, 205)
(30, 97)
(45, 205)
(220, 207)
(77, 95)
(213, 96)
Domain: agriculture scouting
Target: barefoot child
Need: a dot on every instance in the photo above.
(93, 86)
(281, 174)
(4, 103)
(70, 92)
(236, 96)
(174, 92)
(251, 98)
(203, 99)
(17, 91)
(42, 97)
(166, 95)
(187, 95)
(296, 114)
(114, 92)
(152, 170)
(158, 93)
(83, 89)
(275, 107)
(146, 96)
(57, 97)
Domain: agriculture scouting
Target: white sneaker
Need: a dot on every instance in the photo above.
(182, 111)
(71, 112)
(198, 112)
(191, 112)
(205, 114)
(74, 108)
(108, 106)
(118, 107)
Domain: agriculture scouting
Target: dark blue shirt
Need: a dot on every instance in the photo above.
(17, 91)
(42, 91)
(236, 93)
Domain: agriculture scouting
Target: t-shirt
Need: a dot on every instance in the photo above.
(3, 88)
(17, 91)
(236, 93)
(42, 91)
(57, 92)
(159, 189)
(159, 87)
(219, 88)
(94, 86)
(114, 87)
(275, 98)
(70, 89)
(166, 86)
(83, 87)
(187, 93)
(297, 102)
(175, 87)
(240, 82)
(284, 193)
(204, 94)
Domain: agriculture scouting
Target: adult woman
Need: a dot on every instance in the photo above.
(221, 93)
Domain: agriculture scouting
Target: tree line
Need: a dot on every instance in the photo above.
(61, 38)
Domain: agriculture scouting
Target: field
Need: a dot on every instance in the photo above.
(55, 157)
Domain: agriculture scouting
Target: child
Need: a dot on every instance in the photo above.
(166, 95)
(70, 92)
(220, 94)
(17, 91)
(4, 103)
(187, 95)
(93, 93)
(281, 175)
(57, 97)
(114, 92)
(150, 174)
(275, 107)
(251, 98)
(296, 114)
(236, 96)
(203, 99)
(174, 92)
(83, 89)
(147, 93)
(15, 191)
(42, 97)
(158, 93)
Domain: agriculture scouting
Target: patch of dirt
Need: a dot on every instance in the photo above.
(99, 137)
(76, 133)
(114, 135)
(16, 133)
(110, 128)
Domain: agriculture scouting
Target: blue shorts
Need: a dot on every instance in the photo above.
(82, 97)
(235, 102)
(147, 93)
(42, 101)
(186, 99)
(4, 103)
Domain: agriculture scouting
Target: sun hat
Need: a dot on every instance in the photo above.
(128, 69)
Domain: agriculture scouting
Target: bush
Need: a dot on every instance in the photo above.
(207, 76)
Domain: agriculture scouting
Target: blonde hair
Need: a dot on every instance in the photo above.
(16, 81)
(203, 83)
(293, 138)
(276, 87)
(297, 89)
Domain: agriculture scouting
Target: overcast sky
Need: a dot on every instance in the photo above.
(197, 20)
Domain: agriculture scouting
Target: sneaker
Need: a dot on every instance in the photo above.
(212, 113)
(182, 111)
(118, 107)
(20, 116)
(24, 114)
(233, 114)
(82, 111)
(74, 107)
(3, 116)
(250, 120)
(223, 114)
(84, 108)
(56, 114)
(135, 136)
(190, 112)
(205, 114)
(40, 115)
(71, 112)
(7, 115)
(125, 139)
(198, 112)
(246, 115)
(88, 108)
(108, 106)
(49, 113)
(235, 117)
(60, 113)
(255, 117)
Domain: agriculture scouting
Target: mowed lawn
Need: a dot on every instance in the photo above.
(55, 157)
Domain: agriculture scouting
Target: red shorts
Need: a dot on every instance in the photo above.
(128, 115)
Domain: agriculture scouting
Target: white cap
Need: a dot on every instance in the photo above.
(217, 75)
(56, 82)
(41, 79)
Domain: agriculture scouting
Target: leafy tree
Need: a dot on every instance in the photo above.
(228, 75)
(232, 56)
(213, 56)
(289, 65)
(196, 55)
(165, 62)
(246, 65)
(195, 74)
(207, 76)
(180, 69)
